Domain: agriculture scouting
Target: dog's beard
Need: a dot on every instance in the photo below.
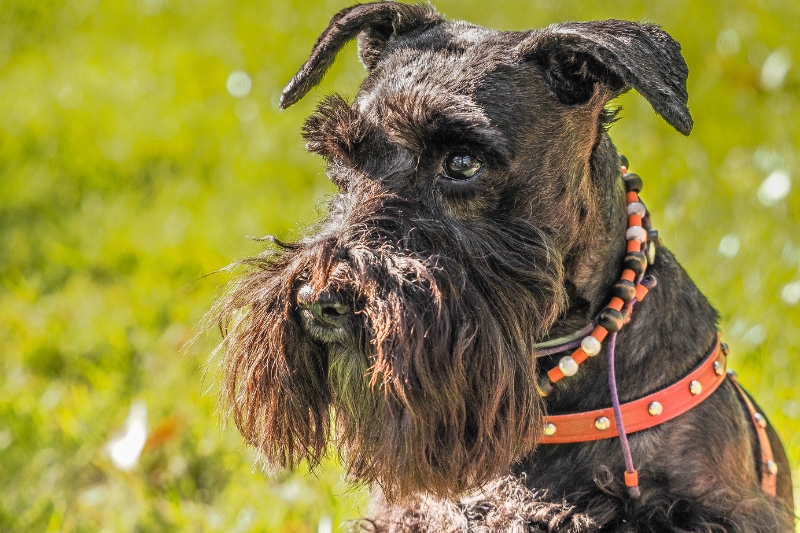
(437, 390)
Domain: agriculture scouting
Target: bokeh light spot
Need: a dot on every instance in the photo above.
(774, 188)
(755, 335)
(729, 245)
(775, 68)
(728, 42)
(246, 109)
(791, 293)
(239, 84)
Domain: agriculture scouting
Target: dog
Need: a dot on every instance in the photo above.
(472, 287)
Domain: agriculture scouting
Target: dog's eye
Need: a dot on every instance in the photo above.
(462, 166)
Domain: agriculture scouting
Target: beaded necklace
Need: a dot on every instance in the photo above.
(630, 289)
(657, 407)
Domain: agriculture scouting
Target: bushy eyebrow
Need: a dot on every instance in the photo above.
(424, 122)
(427, 121)
(335, 129)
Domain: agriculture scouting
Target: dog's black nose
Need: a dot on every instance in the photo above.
(327, 308)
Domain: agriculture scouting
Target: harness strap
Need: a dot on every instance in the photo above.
(769, 468)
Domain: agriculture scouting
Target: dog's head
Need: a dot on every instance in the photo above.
(479, 204)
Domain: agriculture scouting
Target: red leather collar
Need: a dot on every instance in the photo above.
(643, 413)
(664, 405)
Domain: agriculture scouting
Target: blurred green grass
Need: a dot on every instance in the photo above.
(128, 172)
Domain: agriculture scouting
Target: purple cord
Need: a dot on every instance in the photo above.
(649, 282)
(544, 352)
(623, 437)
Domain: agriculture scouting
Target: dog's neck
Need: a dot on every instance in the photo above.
(645, 361)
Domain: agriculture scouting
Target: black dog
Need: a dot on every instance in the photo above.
(481, 213)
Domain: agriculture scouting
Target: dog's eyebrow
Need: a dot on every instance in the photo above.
(421, 125)
(335, 129)
(459, 123)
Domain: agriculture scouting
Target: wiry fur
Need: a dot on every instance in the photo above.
(416, 297)
(426, 388)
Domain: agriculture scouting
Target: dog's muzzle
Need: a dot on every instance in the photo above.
(324, 315)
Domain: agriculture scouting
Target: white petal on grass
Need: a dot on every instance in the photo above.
(774, 188)
(791, 293)
(325, 525)
(729, 245)
(126, 447)
(239, 84)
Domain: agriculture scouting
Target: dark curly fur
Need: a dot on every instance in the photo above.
(426, 387)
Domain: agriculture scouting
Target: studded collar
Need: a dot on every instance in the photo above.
(646, 412)
(660, 406)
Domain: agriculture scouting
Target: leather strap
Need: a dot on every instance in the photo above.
(643, 413)
(769, 469)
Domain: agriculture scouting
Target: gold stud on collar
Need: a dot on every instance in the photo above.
(655, 409)
(760, 420)
(719, 368)
(695, 387)
(550, 430)
(602, 423)
(772, 467)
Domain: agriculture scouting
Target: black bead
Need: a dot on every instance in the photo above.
(623, 161)
(632, 182)
(544, 385)
(611, 319)
(624, 290)
(635, 261)
(652, 236)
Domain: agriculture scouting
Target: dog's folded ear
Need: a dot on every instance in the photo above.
(575, 56)
(374, 24)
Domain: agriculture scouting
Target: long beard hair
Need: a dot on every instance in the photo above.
(435, 390)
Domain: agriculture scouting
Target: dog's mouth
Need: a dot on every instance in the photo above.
(334, 331)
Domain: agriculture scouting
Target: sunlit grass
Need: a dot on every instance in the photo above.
(140, 144)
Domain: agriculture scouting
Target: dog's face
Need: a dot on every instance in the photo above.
(475, 210)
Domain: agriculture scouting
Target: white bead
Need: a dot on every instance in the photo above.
(636, 233)
(636, 208)
(568, 366)
(591, 346)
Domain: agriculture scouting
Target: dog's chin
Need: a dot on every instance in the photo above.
(353, 397)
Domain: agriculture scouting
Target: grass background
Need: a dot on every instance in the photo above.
(128, 171)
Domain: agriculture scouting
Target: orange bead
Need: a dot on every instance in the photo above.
(631, 478)
(632, 196)
(600, 333)
(634, 246)
(634, 220)
(616, 303)
(628, 274)
(555, 374)
(641, 292)
(579, 355)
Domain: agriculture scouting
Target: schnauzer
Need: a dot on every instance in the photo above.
(461, 327)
